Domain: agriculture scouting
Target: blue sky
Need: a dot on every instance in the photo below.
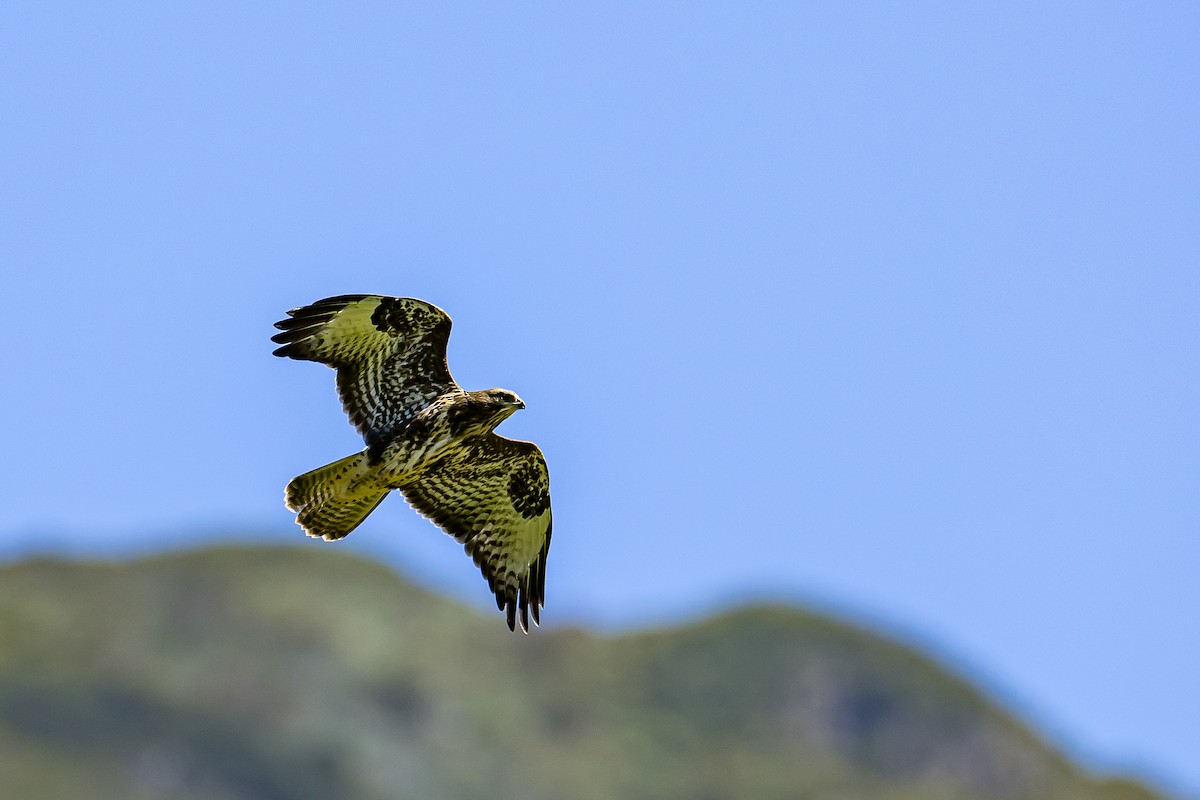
(889, 307)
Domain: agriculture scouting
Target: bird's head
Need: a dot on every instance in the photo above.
(472, 413)
(505, 399)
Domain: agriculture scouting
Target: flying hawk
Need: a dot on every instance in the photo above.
(426, 437)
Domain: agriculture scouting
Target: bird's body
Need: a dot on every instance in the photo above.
(433, 431)
(426, 437)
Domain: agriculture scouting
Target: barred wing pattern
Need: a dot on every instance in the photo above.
(389, 353)
(494, 498)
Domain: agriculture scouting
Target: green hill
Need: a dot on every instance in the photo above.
(287, 674)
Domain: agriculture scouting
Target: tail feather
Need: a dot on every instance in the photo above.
(333, 500)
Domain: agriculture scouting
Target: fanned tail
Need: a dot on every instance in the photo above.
(333, 500)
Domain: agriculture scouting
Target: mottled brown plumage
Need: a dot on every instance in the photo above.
(426, 437)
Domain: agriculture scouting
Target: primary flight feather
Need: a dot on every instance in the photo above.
(425, 436)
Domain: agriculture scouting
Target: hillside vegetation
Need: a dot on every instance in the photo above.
(290, 674)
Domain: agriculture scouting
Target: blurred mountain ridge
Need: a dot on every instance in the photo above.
(282, 673)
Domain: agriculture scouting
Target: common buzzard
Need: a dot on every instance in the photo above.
(426, 437)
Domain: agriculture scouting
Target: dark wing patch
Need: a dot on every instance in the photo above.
(389, 353)
(494, 497)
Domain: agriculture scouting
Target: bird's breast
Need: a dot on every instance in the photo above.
(413, 449)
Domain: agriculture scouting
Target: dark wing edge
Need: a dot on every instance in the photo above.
(444, 497)
(303, 323)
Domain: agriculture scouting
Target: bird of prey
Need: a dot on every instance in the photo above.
(426, 437)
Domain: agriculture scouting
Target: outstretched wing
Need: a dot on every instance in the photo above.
(389, 353)
(494, 498)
